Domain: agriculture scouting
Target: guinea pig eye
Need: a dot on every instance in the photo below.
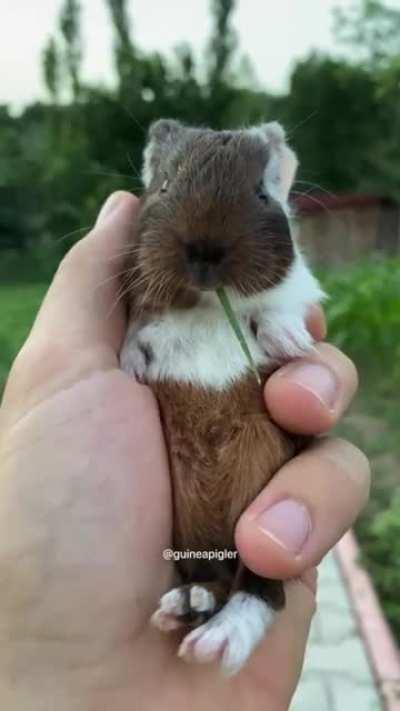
(261, 194)
(164, 186)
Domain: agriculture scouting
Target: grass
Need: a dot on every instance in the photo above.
(18, 306)
(364, 320)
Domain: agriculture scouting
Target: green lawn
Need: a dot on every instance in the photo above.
(18, 306)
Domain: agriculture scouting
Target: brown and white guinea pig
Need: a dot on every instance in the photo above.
(215, 214)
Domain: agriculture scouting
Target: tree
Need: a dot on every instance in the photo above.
(222, 44)
(124, 50)
(51, 69)
(70, 30)
(220, 51)
(372, 29)
(331, 113)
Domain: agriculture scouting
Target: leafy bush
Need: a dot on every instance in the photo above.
(364, 320)
(381, 545)
(364, 314)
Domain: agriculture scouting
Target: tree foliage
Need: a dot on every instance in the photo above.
(326, 110)
(70, 29)
(60, 159)
(371, 29)
(51, 69)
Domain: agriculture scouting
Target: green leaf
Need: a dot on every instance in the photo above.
(230, 315)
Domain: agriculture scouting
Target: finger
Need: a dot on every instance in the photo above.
(309, 395)
(316, 322)
(304, 510)
(81, 308)
(284, 646)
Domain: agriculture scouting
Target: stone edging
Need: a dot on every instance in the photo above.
(382, 651)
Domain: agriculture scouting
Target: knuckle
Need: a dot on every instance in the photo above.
(352, 372)
(38, 357)
(73, 257)
(333, 354)
(351, 464)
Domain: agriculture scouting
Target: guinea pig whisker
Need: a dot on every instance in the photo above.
(124, 253)
(313, 199)
(308, 118)
(134, 170)
(123, 292)
(134, 119)
(110, 279)
(315, 186)
(110, 174)
(70, 234)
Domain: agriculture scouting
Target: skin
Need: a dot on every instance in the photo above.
(85, 511)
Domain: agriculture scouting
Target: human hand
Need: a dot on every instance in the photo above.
(85, 510)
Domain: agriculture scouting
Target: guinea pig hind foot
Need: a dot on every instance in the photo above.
(185, 605)
(231, 635)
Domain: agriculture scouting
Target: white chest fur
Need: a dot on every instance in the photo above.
(198, 345)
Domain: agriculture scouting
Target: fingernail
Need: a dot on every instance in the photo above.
(318, 379)
(109, 206)
(288, 523)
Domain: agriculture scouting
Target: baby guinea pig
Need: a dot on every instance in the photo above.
(215, 214)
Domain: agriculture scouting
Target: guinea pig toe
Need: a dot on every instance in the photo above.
(203, 645)
(164, 621)
(217, 641)
(175, 602)
(201, 599)
(172, 607)
(231, 636)
(133, 362)
(284, 338)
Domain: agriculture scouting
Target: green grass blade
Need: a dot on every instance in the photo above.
(221, 293)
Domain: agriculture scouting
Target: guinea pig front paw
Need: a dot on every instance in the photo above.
(135, 358)
(283, 336)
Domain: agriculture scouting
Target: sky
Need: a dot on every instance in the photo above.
(273, 34)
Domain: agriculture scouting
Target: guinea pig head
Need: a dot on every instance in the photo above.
(214, 211)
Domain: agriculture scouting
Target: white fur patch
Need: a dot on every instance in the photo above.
(175, 603)
(147, 172)
(201, 599)
(172, 605)
(231, 635)
(282, 162)
(198, 345)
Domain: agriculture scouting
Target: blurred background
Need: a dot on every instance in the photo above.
(80, 83)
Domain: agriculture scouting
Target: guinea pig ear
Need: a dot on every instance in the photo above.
(282, 162)
(162, 135)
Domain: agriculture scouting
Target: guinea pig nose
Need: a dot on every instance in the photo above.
(204, 253)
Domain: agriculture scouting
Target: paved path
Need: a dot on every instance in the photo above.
(337, 675)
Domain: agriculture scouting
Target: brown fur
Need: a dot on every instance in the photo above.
(223, 449)
(212, 202)
(206, 222)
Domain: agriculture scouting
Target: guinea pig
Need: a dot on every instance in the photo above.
(215, 214)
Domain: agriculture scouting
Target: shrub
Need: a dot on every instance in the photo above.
(364, 314)
(380, 539)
